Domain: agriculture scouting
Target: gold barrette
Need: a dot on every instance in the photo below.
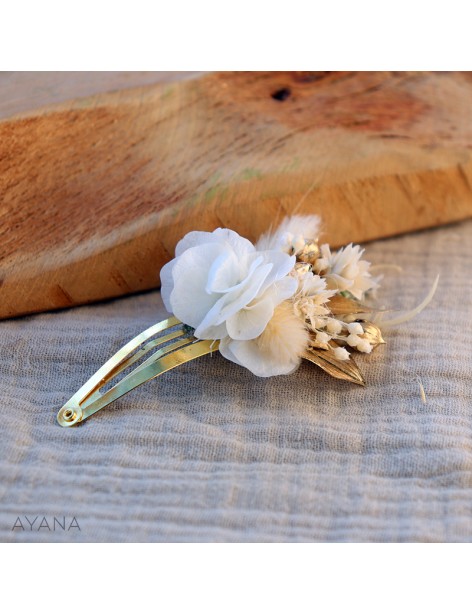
(175, 348)
(265, 307)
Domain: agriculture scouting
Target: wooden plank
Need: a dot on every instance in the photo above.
(95, 193)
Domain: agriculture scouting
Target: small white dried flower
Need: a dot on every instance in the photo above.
(353, 340)
(334, 326)
(341, 354)
(364, 346)
(355, 328)
(322, 264)
(314, 288)
(318, 322)
(344, 270)
(322, 338)
(309, 302)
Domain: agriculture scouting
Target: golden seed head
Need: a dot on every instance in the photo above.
(303, 267)
(372, 334)
(310, 252)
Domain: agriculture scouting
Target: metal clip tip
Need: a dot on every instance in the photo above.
(68, 416)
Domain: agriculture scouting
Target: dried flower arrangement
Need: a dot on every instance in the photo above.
(274, 303)
(265, 307)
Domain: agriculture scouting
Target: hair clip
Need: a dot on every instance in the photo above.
(264, 307)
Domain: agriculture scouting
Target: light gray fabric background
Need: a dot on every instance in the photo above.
(208, 452)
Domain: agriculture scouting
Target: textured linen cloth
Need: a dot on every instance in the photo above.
(209, 452)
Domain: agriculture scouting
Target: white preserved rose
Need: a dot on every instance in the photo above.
(225, 289)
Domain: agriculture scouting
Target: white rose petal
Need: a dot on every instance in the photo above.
(248, 354)
(249, 323)
(187, 298)
(240, 246)
(231, 302)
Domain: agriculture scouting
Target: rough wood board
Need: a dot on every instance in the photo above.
(95, 193)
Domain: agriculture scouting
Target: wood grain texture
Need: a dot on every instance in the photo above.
(95, 193)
